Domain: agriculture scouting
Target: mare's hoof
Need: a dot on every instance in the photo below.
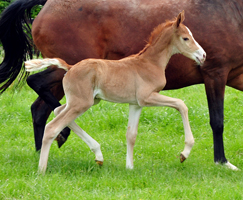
(60, 140)
(100, 163)
(182, 158)
(63, 136)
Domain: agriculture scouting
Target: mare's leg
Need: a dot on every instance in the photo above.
(132, 129)
(48, 85)
(215, 89)
(215, 95)
(155, 99)
(93, 144)
(40, 113)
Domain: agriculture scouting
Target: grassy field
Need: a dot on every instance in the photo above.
(158, 174)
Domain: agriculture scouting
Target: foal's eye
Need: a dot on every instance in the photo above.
(185, 39)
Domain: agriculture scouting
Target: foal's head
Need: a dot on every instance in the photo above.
(184, 42)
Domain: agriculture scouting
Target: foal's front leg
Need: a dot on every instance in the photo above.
(155, 99)
(132, 129)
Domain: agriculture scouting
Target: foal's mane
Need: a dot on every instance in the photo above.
(156, 34)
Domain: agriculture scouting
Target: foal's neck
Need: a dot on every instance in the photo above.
(160, 52)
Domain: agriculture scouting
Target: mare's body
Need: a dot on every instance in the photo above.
(79, 29)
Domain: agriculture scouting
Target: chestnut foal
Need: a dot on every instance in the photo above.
(136, 80)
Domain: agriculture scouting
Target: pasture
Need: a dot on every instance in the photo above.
(158, 174)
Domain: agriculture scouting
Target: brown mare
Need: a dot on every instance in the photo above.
(77, 29)
(136, 80)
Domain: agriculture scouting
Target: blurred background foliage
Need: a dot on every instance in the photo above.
(6, 3)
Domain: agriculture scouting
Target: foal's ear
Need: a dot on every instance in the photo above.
(180, 18)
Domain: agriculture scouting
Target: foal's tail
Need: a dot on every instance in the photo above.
(38, 64)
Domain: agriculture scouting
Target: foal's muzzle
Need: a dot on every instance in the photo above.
(200, 56)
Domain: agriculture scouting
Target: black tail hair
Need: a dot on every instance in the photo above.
(15, 36)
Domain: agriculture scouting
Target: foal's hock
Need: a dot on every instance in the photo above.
(136, 80)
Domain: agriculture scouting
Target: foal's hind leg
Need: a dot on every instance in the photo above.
(66, 116)
(155, 99)
(93, 144)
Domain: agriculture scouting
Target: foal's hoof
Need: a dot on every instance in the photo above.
(100, 163)
(182, 158)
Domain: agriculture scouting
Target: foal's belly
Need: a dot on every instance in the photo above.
(115, 96)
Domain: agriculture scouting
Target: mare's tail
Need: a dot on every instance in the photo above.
(38, 64)
(15, 35)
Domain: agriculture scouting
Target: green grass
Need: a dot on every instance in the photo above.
(158, 174)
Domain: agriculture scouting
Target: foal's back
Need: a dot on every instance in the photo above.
(111, 80)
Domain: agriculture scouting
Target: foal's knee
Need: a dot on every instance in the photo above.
(181, 106)
(49, 134)
(131, 136)
(59, 109)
